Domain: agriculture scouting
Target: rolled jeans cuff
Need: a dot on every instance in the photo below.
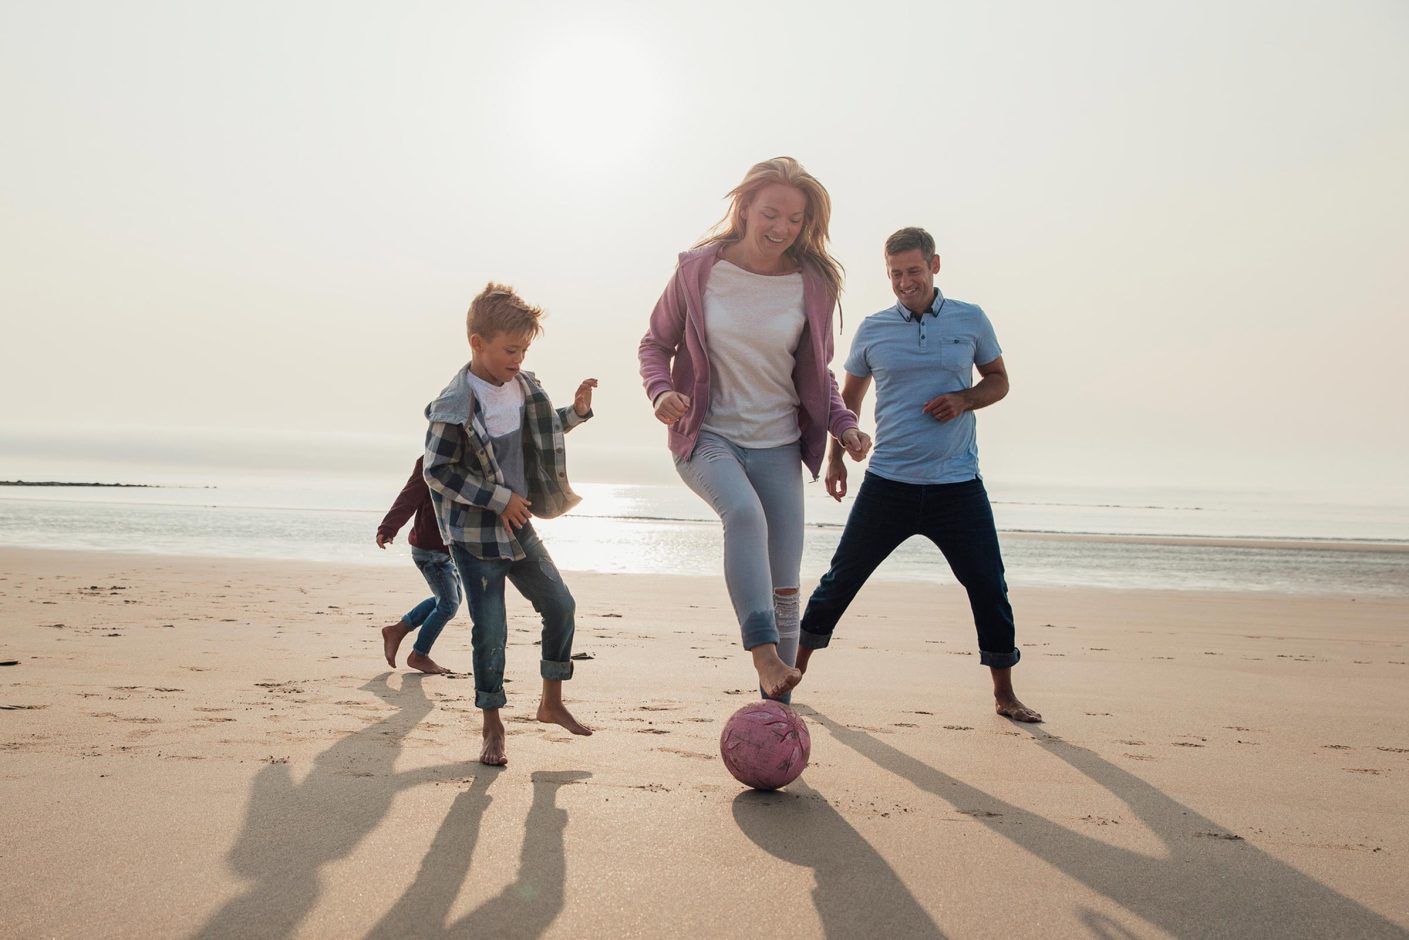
(996, 660)
(549, 669)
(814, 641)
(759, 630)
(490, 699)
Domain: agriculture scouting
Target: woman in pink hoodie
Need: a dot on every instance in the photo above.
(735, 363)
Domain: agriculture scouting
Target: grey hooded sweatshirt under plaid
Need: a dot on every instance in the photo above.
(467, 487)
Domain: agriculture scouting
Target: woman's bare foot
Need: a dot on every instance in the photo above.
(392, 636)
(425, 664)
(493, 751)
(775, 677)
(559, 715)
(1012, 708)
(552, 711)
(803, 655)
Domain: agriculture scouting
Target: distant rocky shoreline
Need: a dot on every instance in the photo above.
(127, 486)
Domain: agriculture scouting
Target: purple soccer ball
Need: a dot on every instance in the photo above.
(765, 745)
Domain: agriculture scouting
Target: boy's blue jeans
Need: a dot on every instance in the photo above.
(431, 614)
(537, 579)
(957, 518)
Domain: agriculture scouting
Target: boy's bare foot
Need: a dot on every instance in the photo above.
(392, 636)
(557, 714)
(803, 655)
(775, 677)
(1012, 708)
(425, 664)
(492, 753)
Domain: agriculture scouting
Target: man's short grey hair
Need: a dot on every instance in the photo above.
(908, 239)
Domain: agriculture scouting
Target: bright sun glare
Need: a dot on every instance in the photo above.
(592, 101)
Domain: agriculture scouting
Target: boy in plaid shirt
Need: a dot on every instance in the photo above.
(494, 456)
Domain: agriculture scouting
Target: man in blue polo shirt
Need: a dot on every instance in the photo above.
(923, 477)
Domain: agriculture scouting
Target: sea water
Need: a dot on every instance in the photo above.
(1051, 535)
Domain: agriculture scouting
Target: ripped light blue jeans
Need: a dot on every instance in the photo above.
(537, 579)
(757, 494)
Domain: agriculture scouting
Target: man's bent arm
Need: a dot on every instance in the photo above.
(853, 393)
(991, 388)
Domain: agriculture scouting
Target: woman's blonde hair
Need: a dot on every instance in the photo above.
(810, 248)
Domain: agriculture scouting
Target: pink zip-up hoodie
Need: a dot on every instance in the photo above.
(674, 357)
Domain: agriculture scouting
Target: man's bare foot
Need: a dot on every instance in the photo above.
(493, 751)
(1012, 708)
(425, 664)
(551, 713)
(803, 655)
(392, 636)
(775, 677)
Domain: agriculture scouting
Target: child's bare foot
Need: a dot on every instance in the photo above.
(425, 664)
(492, 753)
(1011, 708)
(557, 714)
(392, 636)
(775, 677)
(803, 655)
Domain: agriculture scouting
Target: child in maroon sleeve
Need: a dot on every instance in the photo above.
(433, 560)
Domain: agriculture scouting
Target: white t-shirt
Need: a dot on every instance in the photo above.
(753, 323)
(502, 404)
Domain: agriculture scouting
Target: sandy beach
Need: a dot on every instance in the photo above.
(217, 749)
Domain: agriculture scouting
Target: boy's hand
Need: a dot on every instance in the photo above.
(671, 407)
(582, 401)
(516, 514)
(383, 541)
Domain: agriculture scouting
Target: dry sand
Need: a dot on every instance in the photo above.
(216, 748)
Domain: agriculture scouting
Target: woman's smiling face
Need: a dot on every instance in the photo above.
(774, 219)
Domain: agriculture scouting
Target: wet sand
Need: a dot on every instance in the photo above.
(216, 748)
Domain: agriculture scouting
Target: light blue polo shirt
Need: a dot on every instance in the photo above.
(912, 359)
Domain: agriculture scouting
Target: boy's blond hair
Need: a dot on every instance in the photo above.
(498, 309)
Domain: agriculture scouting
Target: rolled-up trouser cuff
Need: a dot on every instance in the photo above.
(551, 670)
(997, 660)
(490, 699)
(759, 630)
(814, 641)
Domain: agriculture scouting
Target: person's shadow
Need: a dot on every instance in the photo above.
(292, 830)
(857, 894)
(1208, 882)
(526, 908)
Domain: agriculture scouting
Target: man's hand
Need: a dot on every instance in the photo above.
(516, 514)
(947, 407)
(671, 407)
(836, 478)
(384, 540)
(582, 401)
(857, 443)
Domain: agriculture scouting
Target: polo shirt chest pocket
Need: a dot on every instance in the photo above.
(956, 354)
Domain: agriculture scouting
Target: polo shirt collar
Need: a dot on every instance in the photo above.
(932, 311)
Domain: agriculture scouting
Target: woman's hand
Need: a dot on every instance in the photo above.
(857, 443)
(671, 407)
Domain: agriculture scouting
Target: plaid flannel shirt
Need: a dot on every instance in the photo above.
(467, 487)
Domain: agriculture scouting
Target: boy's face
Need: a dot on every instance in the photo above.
(499, 358)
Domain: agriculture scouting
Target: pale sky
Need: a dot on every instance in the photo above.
(1188, 222)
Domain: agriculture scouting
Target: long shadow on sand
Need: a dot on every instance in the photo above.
(293, 829)
(857, 893)
(525, 908)
(1208, 882)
